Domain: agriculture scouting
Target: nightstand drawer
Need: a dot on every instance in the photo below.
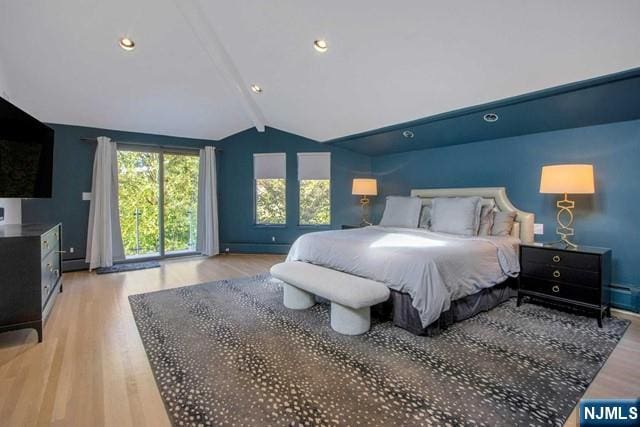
(561, 274)
(561, 290)
(563, 258)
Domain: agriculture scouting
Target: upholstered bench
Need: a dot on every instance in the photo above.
(351, 296)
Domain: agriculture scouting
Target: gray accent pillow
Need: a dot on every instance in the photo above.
(503, 223)
(486, 220)
(456, 215)
(401, 212)
(425, 217)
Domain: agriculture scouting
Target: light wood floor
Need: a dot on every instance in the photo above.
(91, 369)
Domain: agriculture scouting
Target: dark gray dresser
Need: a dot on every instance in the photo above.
(30, 274)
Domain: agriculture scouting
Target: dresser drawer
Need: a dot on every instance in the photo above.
(50, 270)
(561, 290)
(561, 274)
(578, 260)
(50, 241)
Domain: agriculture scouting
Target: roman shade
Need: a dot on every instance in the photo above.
(269, 166)
(314, 166)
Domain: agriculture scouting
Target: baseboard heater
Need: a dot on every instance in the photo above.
(626, 297)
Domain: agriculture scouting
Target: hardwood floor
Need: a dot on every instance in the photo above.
(91, 369)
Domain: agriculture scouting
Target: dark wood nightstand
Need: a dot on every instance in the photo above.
(576, 277)
(348, 226)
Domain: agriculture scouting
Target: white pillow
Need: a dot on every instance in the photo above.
(425, 217)
(401, 212)
(456, 215)
(503, 223)
(486, 219)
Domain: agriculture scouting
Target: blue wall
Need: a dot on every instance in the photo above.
(238, 231)
(73, 166)
(608, 218)
(72, 170)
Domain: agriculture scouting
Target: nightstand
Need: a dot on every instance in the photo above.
(576, 277)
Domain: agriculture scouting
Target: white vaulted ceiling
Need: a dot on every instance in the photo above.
(388, 62)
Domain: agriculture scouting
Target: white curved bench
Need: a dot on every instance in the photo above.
(351, 296)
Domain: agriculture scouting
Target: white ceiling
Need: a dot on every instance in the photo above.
(388, 62)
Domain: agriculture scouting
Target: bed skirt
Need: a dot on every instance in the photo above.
(398, 308)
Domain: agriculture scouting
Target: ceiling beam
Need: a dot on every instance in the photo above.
(210, 43)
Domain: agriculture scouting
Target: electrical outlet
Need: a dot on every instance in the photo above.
(86, 196)
(71, 250)
(226, 250)
(538, 229)
(273, 238)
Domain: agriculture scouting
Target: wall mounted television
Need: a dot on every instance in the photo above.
(26, 154)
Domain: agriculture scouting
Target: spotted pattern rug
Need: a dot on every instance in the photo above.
(229, 353)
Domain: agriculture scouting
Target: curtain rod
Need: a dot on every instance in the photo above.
(142, 144)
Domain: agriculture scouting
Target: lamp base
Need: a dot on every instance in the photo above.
(562, 244)
(364, 202)
(564, 229)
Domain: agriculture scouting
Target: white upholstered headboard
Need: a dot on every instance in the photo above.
(523, 227)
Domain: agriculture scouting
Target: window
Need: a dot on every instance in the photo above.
(314, 178)
(270, 173)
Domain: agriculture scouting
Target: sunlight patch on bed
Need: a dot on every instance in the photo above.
(397, 240)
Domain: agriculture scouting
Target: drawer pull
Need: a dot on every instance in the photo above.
(45, 244)
(50, 267)
(556, 274)
(556, 288)
(556, 258)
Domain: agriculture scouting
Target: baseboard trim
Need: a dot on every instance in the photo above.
(625, 312)
(255, 248)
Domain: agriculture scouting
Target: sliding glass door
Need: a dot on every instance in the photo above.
(180, 202)
(158, 201)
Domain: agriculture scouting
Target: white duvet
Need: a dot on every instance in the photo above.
(433, 268)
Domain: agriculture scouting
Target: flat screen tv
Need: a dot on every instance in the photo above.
(26, 154)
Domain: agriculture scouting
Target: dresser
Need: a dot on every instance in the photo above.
(576, 277)
(30, 274)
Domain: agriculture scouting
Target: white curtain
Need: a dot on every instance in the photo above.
(208, 242)
(104, 238)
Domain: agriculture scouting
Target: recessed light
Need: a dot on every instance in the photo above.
(127, 44)
(408, 134)
(490, 117)
(321, 45)
(256, 89)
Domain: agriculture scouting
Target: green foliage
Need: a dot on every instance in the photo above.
(139, 194)
(271, 205)
(180, 202)
(315, 202)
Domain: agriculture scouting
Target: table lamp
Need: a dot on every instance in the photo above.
(566, 179)
(364, 187)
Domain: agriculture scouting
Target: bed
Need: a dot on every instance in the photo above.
(436, 279)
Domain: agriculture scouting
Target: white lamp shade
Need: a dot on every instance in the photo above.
(569, 179)
(364, 187)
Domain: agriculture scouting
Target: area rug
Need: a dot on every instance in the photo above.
(228, 352)
(129, 266)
